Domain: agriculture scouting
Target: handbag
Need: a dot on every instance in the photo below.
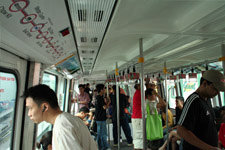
(154, 130)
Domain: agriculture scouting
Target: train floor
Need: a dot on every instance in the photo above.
(123, 146)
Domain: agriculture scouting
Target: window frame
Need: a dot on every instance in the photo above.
(16, 74)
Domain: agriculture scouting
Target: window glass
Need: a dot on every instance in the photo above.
(171, 93)
(51, 81)
(8, 92)
(189, 85)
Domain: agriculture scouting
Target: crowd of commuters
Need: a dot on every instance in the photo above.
(194, 123)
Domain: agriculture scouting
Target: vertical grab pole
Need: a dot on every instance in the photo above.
(141, 61)
(166, 92)
(107, 86)
(117, 106)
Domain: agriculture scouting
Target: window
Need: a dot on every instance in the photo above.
(51, 81)
(8, 95)
(189, 85)
(171, 93)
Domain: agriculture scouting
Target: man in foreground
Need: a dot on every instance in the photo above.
(69, 132)
(197, 124)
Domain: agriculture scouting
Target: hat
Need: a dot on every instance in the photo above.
(216, 77)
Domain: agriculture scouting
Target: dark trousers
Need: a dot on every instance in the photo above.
(126, 129)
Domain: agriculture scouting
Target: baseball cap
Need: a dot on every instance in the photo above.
(216, 77)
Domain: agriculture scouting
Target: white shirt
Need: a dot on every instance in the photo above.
(70, 133)
(152, 105)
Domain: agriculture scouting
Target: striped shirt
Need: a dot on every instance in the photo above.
(198, 117)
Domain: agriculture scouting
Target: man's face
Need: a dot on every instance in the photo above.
(211, 91)
(34, 112)
(83, 115)
(178, 102)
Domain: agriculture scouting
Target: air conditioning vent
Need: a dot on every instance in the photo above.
(82, 15)
(92, 52)
(94, 40)
(90, 58)
(83, 39)
(98, 15)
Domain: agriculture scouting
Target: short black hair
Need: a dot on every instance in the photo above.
(81, 85)
(84, 109)
(100, 87)
(148, 92)
(42, 93)
(180, 98)
(136, 86)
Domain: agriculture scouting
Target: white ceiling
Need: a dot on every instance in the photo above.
(179, 32)
(164, 26)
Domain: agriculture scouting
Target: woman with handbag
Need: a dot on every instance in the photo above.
(153, 122)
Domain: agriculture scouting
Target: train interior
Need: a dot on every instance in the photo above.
(64, 43)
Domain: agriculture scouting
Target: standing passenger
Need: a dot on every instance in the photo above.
(197, 124)
(100, 116)
(83, 97)
(69, 132)
(122, 117)
(137, 119)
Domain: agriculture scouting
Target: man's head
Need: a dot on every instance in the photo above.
(149, 94)
(212, 82)
(81, 88)
(100, 88)
(83, 112)
(179, 101)
(39, 99)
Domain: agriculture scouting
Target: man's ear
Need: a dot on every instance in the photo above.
(45, 107)
(204, 83)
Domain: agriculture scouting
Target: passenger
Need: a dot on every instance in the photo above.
(179, 107)
(137, 119)
(170, 120)
(221, 143)
(197, 122)
(173, 136)
(123, 119)
(151, 96)
(95, 93)
(100, 116)
(83, 97)
(46, 141)
(83, 113)
(127, 109)
(69, 132)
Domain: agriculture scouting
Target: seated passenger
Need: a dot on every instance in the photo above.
(173, 136)
(46, 141)
(83, 113)
(170, 119)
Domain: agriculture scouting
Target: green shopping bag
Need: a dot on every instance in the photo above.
(154, 130)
